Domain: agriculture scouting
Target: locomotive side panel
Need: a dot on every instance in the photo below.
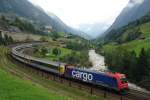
(92, 77)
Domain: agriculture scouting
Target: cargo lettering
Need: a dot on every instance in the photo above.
(82, 75)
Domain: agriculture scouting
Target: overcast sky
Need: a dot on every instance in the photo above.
(77, 12)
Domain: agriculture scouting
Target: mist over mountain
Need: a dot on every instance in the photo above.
(133, 11)
(94, 29)
(130, 16)
(24, 8)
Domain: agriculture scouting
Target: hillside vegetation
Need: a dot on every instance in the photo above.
(132, 37)
(22, 29)
(24, 9)
(127, 50)
(130, 14)
(68, 51)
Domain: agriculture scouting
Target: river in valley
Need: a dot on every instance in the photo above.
(97, 61)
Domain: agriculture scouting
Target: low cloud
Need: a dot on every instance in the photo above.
(94, 29)
(133, 3)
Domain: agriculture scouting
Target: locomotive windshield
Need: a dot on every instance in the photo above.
(123, 80)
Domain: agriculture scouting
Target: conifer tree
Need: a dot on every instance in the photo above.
(142, 65)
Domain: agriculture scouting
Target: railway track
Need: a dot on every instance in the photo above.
(138, 95)
(94, 90)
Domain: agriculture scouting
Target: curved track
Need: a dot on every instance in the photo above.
(41, 64)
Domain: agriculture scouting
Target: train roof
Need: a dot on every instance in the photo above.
(107, 73)
(49, 62)
(45, 61)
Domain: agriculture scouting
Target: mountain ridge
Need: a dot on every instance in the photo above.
(134, 10)
(26, 9)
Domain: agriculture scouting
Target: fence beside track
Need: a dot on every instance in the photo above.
(92, 89)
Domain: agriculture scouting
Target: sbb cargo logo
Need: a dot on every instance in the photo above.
(82, 75)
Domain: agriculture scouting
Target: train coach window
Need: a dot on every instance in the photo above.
(123, 80)
(48, 65)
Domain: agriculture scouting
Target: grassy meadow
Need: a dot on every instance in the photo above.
(134, 45)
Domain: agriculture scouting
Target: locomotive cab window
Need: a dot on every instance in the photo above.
(123, 80)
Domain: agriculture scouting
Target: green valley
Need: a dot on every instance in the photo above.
(132, 37)
(127, 50)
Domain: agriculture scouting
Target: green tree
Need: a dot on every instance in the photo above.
(6, 38)
(55, 36)
(4, 22)
(142, 65)
(1, 38)
(132, 66)
(3, 18)
(136, 68)
(43, 39)
(78, 46)
(24, 25)
(10, 39)
(44, 51)
(56, 51)
(72, 58)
